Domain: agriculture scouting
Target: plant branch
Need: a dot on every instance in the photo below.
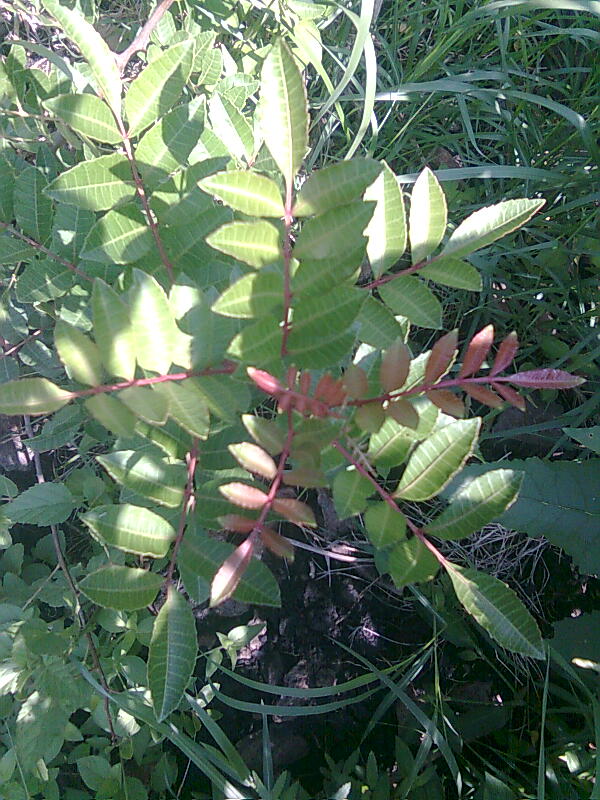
(274, 488)
(54, 256)
(186, 507)
(143, 36)
(16, 347)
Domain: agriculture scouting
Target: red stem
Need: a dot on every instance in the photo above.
(143, 37)
(54, 256)
(390, 276)
(186, 507)
(273, 489)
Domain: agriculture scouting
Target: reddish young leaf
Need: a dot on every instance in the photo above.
(447, 401)
(441, 357)
(403, 412)
(230, 572)
(240, 494)
(237, 523)
(265, 381)
(506, 352)
(294, 511)
(277, 544)
(395, 365)
(546, 379)
(324, 386)
(304, 382)
(483, 395)
(477, 351)
(355, 382)
(254, 459)
(370, 417)
(512, 397)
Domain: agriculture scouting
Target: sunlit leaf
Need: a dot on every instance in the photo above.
(42, 504)
(96, 184)
(112, 331)
(131, 528)
(78, 353)
(187, 406)
(32, 208)
(246, 191)
(335, 186)
(122, 588)
(408, 296)
(254, 243)
(31, 396)
(87, 114)
(231, 127)
(252, 296)
(147, 474)
(146, 403)
(387, 229)
(334, 233)
(119, 237)
(411, 562)
(154, 331)
(427, 221)
(109, 411)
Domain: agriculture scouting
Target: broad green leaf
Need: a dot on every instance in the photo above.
(187, 406)
(13, 250)
(95, 185)
(252, 296)
(167, 145)
(283, 111)
(377, 325)
(385, 526)
(112, 331)
(453, 272)
(258, 343)
(427, 220)
(254, 243)
(158, 86)
(111, 413)
(94, 770)
(411, 562)
(87, 114)
(387, 229)
(231, 127)
(43, 280)
(93, 48)
(211, 334)
(173, 653)
(497, 609)
(147, 474)
(224, 394)
(118, 237)
(155, 333)
(436, 460)
(335, 186)
(42, 504)
(408, 296)
(31, 396)
(178, 201)
(350, 492)
(321, 275)
(477, 503)
(78, 353)
(265, 432)
(488, 224)
(7, 185)
(588, 437)
(146, 403)
(334, 233)
(130, 528)
(201, 556)
(122, 588)
(33, 209)
(245, 191)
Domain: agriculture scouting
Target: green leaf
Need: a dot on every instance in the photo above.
(231, 127)
(335, 186)
(408, 296)
(130, 528)
(488, 224)
(94, 770)
(167, 145)
(258, 343)
(33, 210)
(436, 460)
(387, 229)
(7, 185)
(476, 504)
(155, 333)
(254, 295)
(453, 272)
(146, 403)
(122, 588)
(173, 653)
(411, 562)
(385, 526)
(334, 233)
(93, 48)
(187, 406)
(377, 325)
(158, 86)
(96, 185)
(31, 396)
(283, 111)
(147, 474)
(350, 492)
(42, 504)
(245, 191)
(111, 413)
(427, 221)
(497, 609)
(254, 243)
(87, 114)
(265, 432)
(321, 275)
(119, 237)
(43, 280)
(78, 353)
(201, 556)
(112, 331)
(588, 437)
(224, 395)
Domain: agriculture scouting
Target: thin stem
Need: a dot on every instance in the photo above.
(390, 276)
(16, 347)
(54, 256)
(186, 507)
(274, 488)
(287, 261)
(143, 36)
(141, 192)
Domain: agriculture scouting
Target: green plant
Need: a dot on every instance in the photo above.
(165, 251)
